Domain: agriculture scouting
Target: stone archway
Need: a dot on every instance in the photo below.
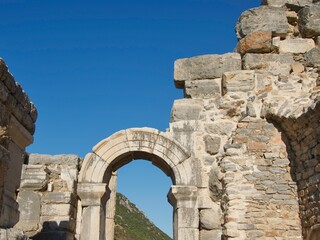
(97, 181)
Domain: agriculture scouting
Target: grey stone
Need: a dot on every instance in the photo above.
(29, 207)
(312, 57)
(205, 67)
(273, 63)
(212, 144)
(186, 109)
(309, 21)
(44, 159)
(263, 18)
(203, 88)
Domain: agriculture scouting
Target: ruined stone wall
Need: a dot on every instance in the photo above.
(17, 125)
(47, 199)
(251, 119)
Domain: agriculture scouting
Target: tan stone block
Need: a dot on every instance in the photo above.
(296, 45)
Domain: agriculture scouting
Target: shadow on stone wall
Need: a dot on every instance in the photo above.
(54, 231)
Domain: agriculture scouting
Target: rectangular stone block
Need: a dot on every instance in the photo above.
(188, 234)
(57, 210)
(207, 88)
(273, 63)
(186, 109)
(238, 81)
(43, 159)
(297, 45)
(205, 67)
(211, 235)
(187, 217)
(59, 197)
(29, 207)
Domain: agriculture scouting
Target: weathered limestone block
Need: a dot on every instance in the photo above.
(210, 235)
(256, 42)
(212, 144)
(203, 89)
(57, 210)
(59, 197)
(29, 207)
(215, 184)
(186, 109)
(238, 81)
(12, 234)
(297, 45)
(265, 18)
(273, 63)
(34, 177)
(205, 67)
(183, 131)
(264, 82)
(312, 57)
(43, 159)
(221, 127)
(295, 4)
(309, 21)
(210, 219)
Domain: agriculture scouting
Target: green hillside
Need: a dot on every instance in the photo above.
(132, 224)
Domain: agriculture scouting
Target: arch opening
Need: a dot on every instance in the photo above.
(98, 180)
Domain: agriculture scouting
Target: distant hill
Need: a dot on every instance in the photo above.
(132, 224)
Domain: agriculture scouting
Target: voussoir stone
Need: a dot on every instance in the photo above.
(255, 42)
(273, 63)
(309, 21)
(264, 18)
(205, 67)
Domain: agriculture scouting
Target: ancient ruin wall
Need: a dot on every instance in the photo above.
(17, 125)
(251, 118)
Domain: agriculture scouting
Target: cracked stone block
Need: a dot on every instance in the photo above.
(203, 89)
(205, 67)
(256, 42)
(273, 63)
(264, 18)
(186, 109)
(238, 81)
(297, 45)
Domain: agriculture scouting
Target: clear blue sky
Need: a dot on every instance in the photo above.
(95, 67)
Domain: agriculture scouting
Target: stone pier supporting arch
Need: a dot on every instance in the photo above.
(97, 180)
